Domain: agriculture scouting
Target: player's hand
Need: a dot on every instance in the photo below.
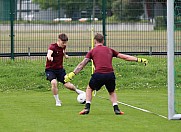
(142, 60)
(69, 77)
(66, 56)
(50, 58)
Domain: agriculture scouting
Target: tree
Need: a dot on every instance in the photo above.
(20, 9)
(71, 6)
(162, 1)
(127, 9)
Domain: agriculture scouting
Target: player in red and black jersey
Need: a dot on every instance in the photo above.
(54, 66)
(103, 74)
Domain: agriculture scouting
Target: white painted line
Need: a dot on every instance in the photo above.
(136, 108)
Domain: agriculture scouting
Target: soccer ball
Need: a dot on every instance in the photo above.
(81, 98)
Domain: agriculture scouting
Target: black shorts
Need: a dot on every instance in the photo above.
(99, 79)
(55, 74)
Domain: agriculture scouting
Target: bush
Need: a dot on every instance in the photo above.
(178, 23)
(160, 23)
(127, 10)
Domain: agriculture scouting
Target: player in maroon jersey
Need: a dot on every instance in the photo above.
(103, 74)
(54, 66)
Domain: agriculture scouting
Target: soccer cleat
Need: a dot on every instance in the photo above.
(58, 103)
(84, 111)
(118, 112)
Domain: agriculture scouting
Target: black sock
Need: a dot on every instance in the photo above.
(87, 106)
(116, 107)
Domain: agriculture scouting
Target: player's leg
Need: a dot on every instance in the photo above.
(95, 83)
(110, 86)
(70, 86)
(55, 92)
(86, 110)
(52, 78)
(60, 77)
(113, 98)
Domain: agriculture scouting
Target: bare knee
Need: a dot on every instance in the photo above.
(54, 83)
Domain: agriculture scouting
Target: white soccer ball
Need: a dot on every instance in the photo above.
(81, 98)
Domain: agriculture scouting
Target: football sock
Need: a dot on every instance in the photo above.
(115, 104)
(116, 107)
(88, 102)
(56, 97)
(78, 91)
(87, 106)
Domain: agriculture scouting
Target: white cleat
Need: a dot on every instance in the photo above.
(58, 103)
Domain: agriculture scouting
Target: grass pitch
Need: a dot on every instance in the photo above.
(31, 111)
(27, 104)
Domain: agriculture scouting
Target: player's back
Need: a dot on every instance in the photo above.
(102, 58)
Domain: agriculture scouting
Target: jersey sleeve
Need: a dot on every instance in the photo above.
(89, 55)
(51, 47)
(115, 53)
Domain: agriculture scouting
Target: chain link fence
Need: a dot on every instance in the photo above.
(136, 27)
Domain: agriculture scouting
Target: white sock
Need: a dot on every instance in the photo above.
(78, 91)
(56, 97)
(88, 102)
(114, 104)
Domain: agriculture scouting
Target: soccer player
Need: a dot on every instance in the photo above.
(54, 67)
(103, 74)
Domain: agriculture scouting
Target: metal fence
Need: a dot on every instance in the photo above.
(136, 27)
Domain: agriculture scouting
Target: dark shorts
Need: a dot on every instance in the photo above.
(99, 79)
(55, 74)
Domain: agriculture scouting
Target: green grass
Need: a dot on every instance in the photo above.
(29, 75)
(27, 104)
(29, 111)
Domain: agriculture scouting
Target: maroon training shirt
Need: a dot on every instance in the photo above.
(57, 55)
(102, 58)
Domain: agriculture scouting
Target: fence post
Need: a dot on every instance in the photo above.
(104, 19)
(12, 13)
(29, 52)
(150, 52)
(59, 9)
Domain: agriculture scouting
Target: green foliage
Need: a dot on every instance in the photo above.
(24, 75)
(48, 4)
(160, 23)
(177, 22)
(112, 19)
(69, 6)
(127, 9)
(72, 6)
(131, 75)
(29, 75)
(117, 9)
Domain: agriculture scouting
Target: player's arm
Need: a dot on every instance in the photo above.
(127, 57)
(79, 67)
(132, 58)
(49, 55)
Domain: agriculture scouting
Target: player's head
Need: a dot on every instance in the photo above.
(62, 40)
(63, 37)
(98, 38)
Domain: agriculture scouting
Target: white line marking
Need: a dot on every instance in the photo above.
(136, 108)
